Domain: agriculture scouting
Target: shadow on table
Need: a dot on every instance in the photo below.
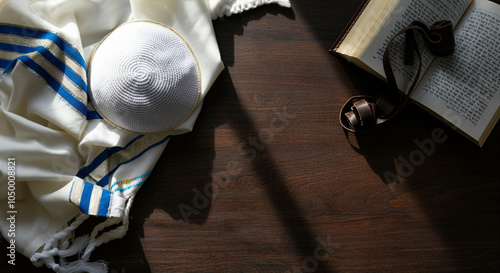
(185, 167)
(455, 183)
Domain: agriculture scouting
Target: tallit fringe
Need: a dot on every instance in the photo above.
(230, 7)
(59, 245)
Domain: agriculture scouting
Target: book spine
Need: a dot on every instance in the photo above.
(348, 28)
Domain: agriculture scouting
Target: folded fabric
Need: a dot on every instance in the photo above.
(60, 160)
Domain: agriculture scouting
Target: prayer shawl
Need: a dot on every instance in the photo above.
(60, 161)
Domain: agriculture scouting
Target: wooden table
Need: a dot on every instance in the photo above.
(269, 182)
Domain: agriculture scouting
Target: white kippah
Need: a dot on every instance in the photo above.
(144, 78)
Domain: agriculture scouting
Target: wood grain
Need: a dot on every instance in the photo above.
(269, 182)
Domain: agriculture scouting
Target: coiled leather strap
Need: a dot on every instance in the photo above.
(363, 113)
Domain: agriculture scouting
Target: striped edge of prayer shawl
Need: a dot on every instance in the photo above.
(95, 200)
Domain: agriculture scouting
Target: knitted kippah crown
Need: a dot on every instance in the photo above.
(144, 78)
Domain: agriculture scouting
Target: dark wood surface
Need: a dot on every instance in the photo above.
(269, 182)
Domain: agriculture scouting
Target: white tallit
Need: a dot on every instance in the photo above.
(62, 161)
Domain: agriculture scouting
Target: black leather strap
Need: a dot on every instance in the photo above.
(364, 113)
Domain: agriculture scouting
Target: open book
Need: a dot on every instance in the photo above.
(462, 89)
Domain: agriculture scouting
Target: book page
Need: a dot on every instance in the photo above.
(429, 12)
(464, 88)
